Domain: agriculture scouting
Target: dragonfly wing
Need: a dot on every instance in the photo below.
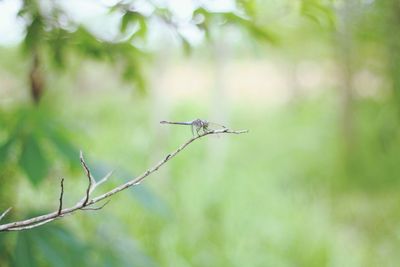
(215, 126)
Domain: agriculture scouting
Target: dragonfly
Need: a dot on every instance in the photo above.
(198, 125)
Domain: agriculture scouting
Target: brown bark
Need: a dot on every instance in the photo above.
(36, 79)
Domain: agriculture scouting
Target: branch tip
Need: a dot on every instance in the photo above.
(61, 197)
(105, 178)
(92, 181)
(5, 213)
(96, 208)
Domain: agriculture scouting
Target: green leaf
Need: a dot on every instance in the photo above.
(249, 6)
(202, 11)
(5, 251)
(32, 160)
(250, 26)
(34, 33)
(263, 34)
(144, 195)
(142, 27)
(5, 150)
(132, 72)
(88, 45)
(129, 17)
(187, 48)
(126, 19)
(59, 247)
(49, 245)
(150, 200)
(58, 41)
(24, 255)
(64, 146)
(319, 12)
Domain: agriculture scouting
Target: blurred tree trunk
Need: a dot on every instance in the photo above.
(293, 82)
(393, 47)
(160, 102)
(345, 55)
(36, 78)
(219, 96)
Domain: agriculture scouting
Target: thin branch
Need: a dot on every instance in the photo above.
(93, 186)
(61, 197)
(97, 208)
(104, 179)
(101, 181)
(89, 176)
(85, 203)
(5, 213)
(32, 225)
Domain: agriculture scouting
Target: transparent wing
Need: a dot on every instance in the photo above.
(215, 126)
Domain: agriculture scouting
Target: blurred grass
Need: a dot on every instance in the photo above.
(288, 193)
(285, 194)
(281, 195)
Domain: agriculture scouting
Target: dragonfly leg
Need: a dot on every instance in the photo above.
(198, 128)
(192, 128)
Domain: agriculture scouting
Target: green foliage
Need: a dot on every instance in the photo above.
(53, 245)
(205, 19)
(257, 31)
(133, 17)
(59, 41)
(32, 160)
(5, 150)
(321, 12)
(34, 32)
(61, 142)
(287, 184)
(150, 201)
(45, 34)
(49, 246)
(29, 134)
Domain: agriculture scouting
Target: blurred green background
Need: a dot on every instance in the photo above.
(314, 183)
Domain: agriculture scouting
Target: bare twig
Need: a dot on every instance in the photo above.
(61, 197)
(104, 179)
(89, 176)
(32, 225)
(97, 208)
(5, 213)
(86, 202)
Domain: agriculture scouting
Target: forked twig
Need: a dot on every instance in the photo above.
(86, 202)
(97, 208)
(89, 176)
(61, 197)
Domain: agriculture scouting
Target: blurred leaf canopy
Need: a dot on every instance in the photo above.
(358, 36)
(53, 37)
